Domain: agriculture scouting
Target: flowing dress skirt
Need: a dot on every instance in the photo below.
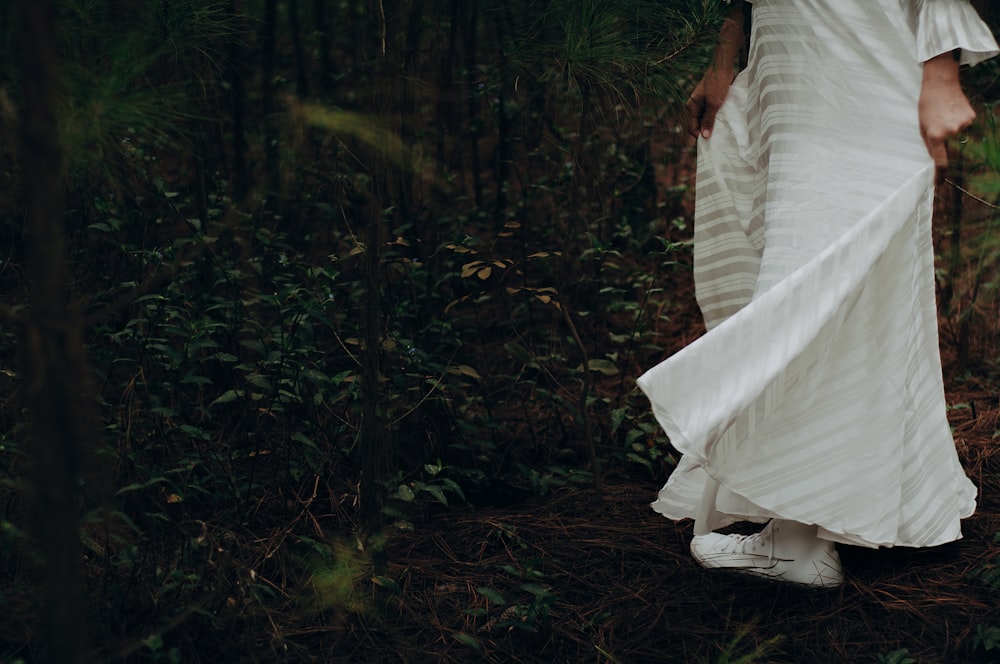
(816, 394)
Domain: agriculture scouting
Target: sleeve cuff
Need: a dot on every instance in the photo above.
(945, 25)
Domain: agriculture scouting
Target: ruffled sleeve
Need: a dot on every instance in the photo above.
(944, 25)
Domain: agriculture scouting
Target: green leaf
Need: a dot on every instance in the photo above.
(344, 376)
(436, 491)
(635, 458)
(467, 640)
(405, 493)
(260, 381)
(518, 352)
(634, 435)
(896, 657)
(451, 484)
(300, 437)
(491, 595)
(136, 486)
(227, 397)
(154, 642)
(163, 411)
(223, 357)
(201, 344)
(617, 417)
(606, 367)
(195, 432)
(465, 370)
(386, 582)
(535, 589)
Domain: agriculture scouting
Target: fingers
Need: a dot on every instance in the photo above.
(708, 120)
(701, 116)
(706, 100)
(939, 152)
(945, 112)
(968, 121)
(938, 149)
(937, 145)
(694, 110)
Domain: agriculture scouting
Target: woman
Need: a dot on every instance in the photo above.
(815, 401)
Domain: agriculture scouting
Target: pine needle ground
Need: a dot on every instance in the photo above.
(620, 587)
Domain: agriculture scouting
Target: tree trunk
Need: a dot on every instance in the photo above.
(413, 15)
(471, 35)
(375, 458)
(235, 70)
(269, 44)
(301, 77)
(323, 33)
(58, 385)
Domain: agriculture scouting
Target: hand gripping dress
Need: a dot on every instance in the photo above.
(816, 394)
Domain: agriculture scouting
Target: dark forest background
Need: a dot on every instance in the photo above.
(285, 285)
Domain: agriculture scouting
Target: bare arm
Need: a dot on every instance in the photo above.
(711, 91)
(944, 109)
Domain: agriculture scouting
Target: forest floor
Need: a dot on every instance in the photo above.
(578, 578)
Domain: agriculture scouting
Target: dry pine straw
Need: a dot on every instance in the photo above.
(626, 589)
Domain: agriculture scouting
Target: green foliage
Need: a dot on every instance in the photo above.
(227, 329)
(437, 486)
(896, 657)
(986, 638)
(120, 93)
(522, 607)
(338, 579)
(154, 645)
(626, 50)
(735, 651)
(526, 602)
(988, 572)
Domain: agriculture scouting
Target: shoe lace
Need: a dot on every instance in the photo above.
(752, 544)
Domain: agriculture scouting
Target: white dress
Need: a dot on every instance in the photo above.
(816, 394)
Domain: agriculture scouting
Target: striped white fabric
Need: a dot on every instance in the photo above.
(817, 395)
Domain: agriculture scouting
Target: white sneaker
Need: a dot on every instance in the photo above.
(783, 550)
